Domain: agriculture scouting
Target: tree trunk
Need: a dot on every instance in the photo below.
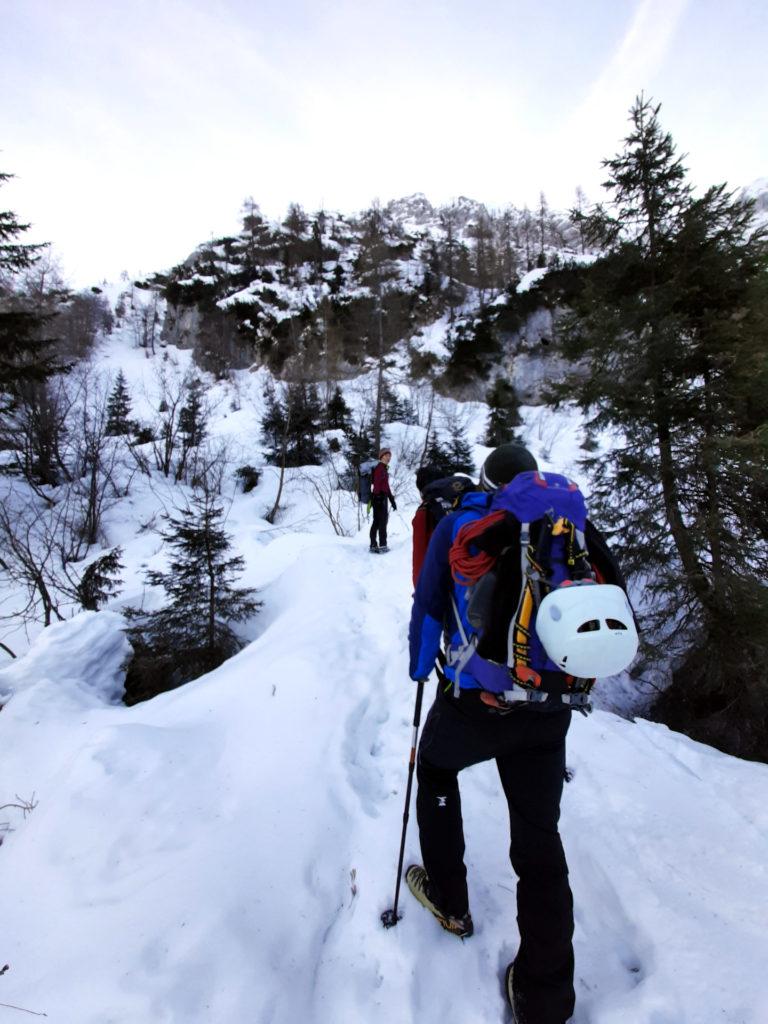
(211, 600)
(380, 377)
(713, 516)
(270, 516)
(429, 427)
(683, 542)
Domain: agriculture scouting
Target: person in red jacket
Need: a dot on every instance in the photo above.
(422, 524)
(440, 494)
(380, 495)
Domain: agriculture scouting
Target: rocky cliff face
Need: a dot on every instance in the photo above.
(329, 290)
(212, 334)
(181, 326)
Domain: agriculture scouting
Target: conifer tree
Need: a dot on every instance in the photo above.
(578, 215)
(459, 450)
(506, 249)
(119, 408)
(526, 229)
(296, 221)
(256, 238)
(542, 223)
(200, 584)
(504, 412)
(408, 412)
(395, 409)
(484, 256)
(671, 325)
(26, 357)
(193, 416)
(273, 423)
(319, 223)
(439, 456)
(360, 443)
(377, 270)
(304, 417)
(338, 412)
(290, 426)
(101, 580)
(454, 261)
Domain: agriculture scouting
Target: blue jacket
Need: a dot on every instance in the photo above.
(432, 610)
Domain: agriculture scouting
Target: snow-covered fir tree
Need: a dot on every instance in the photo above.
(119, 408)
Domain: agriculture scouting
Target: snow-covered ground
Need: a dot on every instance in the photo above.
(223, 852)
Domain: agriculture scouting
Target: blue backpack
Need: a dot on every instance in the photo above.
(531, 541)
(365, 480)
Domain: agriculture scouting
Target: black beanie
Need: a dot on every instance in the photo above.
(503, 465)
(426, 474)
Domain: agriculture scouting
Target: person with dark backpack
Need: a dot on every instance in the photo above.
(531, 607)
(439, 496)
(380, 495)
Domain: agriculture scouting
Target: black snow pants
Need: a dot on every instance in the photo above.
(528, 745)
(380, 518)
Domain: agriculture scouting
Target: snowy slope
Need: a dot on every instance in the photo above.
(223, 853)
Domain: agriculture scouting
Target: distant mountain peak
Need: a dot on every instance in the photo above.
(414, 207)
(468, 204)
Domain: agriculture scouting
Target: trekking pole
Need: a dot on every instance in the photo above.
(390, 917)
(400, 517)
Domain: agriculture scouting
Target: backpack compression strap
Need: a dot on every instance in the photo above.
(535, 570)
(458, 659)
(467, 568)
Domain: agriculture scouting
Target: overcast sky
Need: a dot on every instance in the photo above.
(136, 128)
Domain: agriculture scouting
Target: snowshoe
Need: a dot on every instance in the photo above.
(384, 548)
(374, 549)
(417, 881)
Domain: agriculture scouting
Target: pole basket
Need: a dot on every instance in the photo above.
(390, 918)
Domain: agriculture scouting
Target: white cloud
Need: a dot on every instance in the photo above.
(638, 57)
(137, 133)
(598, 123)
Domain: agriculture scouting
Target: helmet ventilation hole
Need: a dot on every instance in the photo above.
(589, 627)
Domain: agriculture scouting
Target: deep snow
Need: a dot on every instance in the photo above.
(223, 853)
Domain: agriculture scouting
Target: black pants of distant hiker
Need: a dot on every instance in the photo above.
(380, 510)
(528, 746)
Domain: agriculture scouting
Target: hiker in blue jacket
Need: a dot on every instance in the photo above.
(468, 724)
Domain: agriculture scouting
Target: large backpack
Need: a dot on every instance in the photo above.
(438, 499)
(365, 480)
(531, 543)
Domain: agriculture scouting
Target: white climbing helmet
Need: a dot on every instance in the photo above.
(588, 629)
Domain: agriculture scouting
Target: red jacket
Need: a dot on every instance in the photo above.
(422, 531)
(380, 481)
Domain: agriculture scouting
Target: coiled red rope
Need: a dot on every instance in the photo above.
(467, 568)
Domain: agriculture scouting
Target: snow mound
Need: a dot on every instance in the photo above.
(224, 852)
(77, 662)
(532, 278)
